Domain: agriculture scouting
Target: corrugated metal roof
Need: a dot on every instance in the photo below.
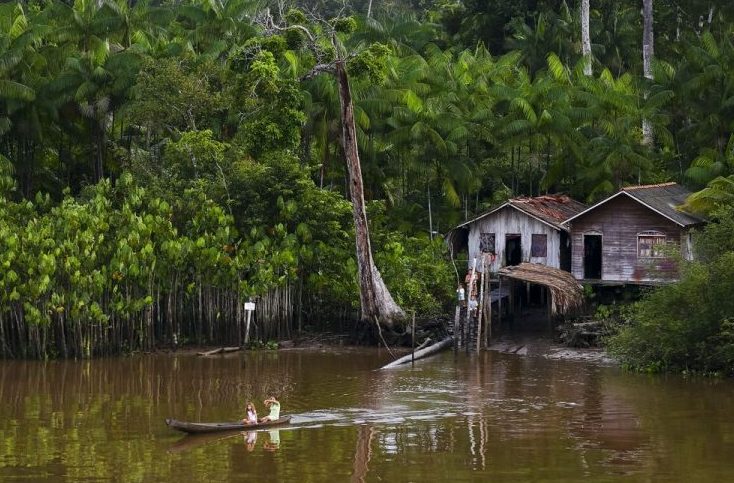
(665, 198)
(554, 209)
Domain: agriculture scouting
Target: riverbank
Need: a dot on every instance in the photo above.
(531, 345)
(539, 346)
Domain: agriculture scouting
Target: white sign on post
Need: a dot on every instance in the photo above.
(249, 308)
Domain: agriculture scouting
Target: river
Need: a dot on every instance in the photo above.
(491, 417)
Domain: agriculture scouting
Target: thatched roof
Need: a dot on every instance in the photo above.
(567, 294)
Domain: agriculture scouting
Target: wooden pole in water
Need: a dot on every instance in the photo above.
(480, 308)
(457, 314)
(499, 303)
(549, 301)
(470, 290)
(489, 315)
(412, 354)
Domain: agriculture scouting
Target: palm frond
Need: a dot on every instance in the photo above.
(15, 90)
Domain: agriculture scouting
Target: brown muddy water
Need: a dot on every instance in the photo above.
(489, 417)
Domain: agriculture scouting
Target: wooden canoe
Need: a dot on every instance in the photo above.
(197, 428)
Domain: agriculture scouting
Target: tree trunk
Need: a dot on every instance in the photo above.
(420, 354)
(648, 52)
(98, 150)
(586, 37)
(376, 301)
(430, 215)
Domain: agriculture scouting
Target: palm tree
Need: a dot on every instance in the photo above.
(614, 155)
(20, 109)
(550, 32)
(617, 45)
(537, 120)
(706, 90)
(648, 52)
(719, 192)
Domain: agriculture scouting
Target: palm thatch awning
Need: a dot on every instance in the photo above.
(567, 295)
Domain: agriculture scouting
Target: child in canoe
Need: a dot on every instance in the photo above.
(274, 407)
(251, 416)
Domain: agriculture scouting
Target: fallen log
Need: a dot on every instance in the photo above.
(430, 350)
(424, 344)
(221, 350)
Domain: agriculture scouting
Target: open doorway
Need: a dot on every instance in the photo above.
(513, 249)
(592, 257)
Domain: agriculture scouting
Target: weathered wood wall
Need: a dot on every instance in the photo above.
(619, 221)
(510, 220)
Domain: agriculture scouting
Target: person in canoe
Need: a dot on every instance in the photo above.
(274, 406)
(251, 416)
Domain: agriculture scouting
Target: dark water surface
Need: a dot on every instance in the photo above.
(492, 417)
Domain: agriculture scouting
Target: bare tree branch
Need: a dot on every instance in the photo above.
(320, 69)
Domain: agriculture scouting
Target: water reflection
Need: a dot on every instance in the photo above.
(274, 442)
(605, 424)
(456, 417)
(191, 441)
(250, 440)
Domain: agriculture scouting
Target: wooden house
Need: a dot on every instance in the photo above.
(627, 237)
(520, 230)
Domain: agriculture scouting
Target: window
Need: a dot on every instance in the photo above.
(486, 242)
(650, 244)
(539, 246)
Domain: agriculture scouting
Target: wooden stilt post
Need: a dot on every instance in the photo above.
(457, 314)
(412, 354)
(488, 338)
(480, 308)
(499, 304)
(470, 291)
(511, 301)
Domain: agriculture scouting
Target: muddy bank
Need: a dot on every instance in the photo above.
(542, 347)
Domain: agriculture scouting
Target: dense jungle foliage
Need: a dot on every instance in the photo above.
(687, 326)
(161, 162)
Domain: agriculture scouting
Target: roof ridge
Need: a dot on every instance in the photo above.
(644, 186)
(554, 197)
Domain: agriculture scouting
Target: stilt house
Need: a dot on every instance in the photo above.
(520, 230)
(628, 237)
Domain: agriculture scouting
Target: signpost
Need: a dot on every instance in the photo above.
(249, 308)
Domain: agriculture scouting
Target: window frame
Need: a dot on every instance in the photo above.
(494, 242)
(654, 253)
(533, 245)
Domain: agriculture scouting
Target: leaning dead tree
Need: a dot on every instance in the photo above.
(321, 38)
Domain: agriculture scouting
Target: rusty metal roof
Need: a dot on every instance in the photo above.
(554, 209)
(662, 198)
